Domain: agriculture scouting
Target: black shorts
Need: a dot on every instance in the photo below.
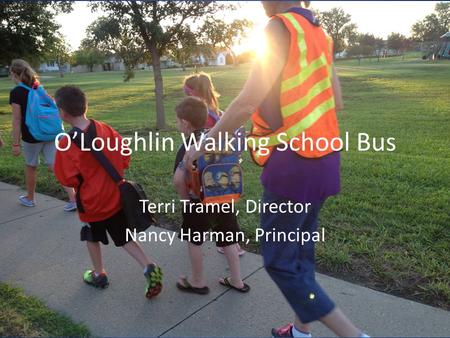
(116, 227)
(201, 223)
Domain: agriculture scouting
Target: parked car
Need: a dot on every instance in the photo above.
(4, 71)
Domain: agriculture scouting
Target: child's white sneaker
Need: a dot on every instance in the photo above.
(26, 202)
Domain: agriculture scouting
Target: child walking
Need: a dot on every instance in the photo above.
(22, 139)
(200, 85)
(191, 117)
(98, 196)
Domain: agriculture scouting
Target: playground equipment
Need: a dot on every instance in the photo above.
(444, 52)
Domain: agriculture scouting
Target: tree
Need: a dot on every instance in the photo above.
(220, 35)
(113, 38)
(338, 25)
(89, 56)
(365, 45)
(433, 26)
(442, 10)
(186, 47)
(156, 26)
(397, 42)
(27, 29)
(60, 53)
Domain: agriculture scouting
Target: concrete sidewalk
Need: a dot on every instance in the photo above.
(40, 252)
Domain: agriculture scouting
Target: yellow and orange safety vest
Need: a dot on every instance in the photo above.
(306, 98)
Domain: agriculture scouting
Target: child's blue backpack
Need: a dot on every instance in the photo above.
(42, 116)
(217, 177)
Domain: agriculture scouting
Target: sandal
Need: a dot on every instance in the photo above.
(226, 282)
(187, 287)
(240, 251)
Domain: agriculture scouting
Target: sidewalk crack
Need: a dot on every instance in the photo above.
(32, 214)
(206, 305)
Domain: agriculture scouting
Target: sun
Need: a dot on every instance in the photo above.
(258, 43)
(254, 42)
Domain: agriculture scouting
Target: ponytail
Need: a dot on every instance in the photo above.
(207, 91)
(24, 72)
(200, 85)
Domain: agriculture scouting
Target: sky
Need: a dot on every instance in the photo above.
(376, 17)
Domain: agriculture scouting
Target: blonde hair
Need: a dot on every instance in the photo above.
(203, 88)
(23, 70)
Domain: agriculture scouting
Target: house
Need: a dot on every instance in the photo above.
(215, 59)
(49, 66)
(166, 62)
(220, 59)
(341, 55)
(52, 66)
(113, 63)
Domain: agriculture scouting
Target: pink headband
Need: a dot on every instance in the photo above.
(189, 91)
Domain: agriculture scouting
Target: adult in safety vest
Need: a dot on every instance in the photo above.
(292, 95)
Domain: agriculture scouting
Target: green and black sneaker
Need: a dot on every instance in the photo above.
(99, 281)
(154, 275)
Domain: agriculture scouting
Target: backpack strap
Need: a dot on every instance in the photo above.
(98, 154)
(23, 85)
(213, 115)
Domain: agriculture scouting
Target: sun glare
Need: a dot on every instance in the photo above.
(258, 43)
(255, 42)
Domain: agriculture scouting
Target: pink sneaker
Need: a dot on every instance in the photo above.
(284, 331)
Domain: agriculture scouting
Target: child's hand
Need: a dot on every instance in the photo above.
(16, 150)
(191, 156)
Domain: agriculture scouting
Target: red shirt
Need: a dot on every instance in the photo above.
(99, 195)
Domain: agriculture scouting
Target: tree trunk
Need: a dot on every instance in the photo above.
(61, 73)
(151, 44)
(159, 89)
(234, 57)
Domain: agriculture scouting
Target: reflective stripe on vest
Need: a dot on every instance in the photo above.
(306, 93)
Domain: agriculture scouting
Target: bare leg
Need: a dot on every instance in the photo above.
(232, 254)
(135, 251)
(239, 248)
(95, 253)
(337, 322)
(197, 279)
(30, 179)
(70, 191)
(306, 328)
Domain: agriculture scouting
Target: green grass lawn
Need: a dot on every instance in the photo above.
(388, 229)
(21, 315)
